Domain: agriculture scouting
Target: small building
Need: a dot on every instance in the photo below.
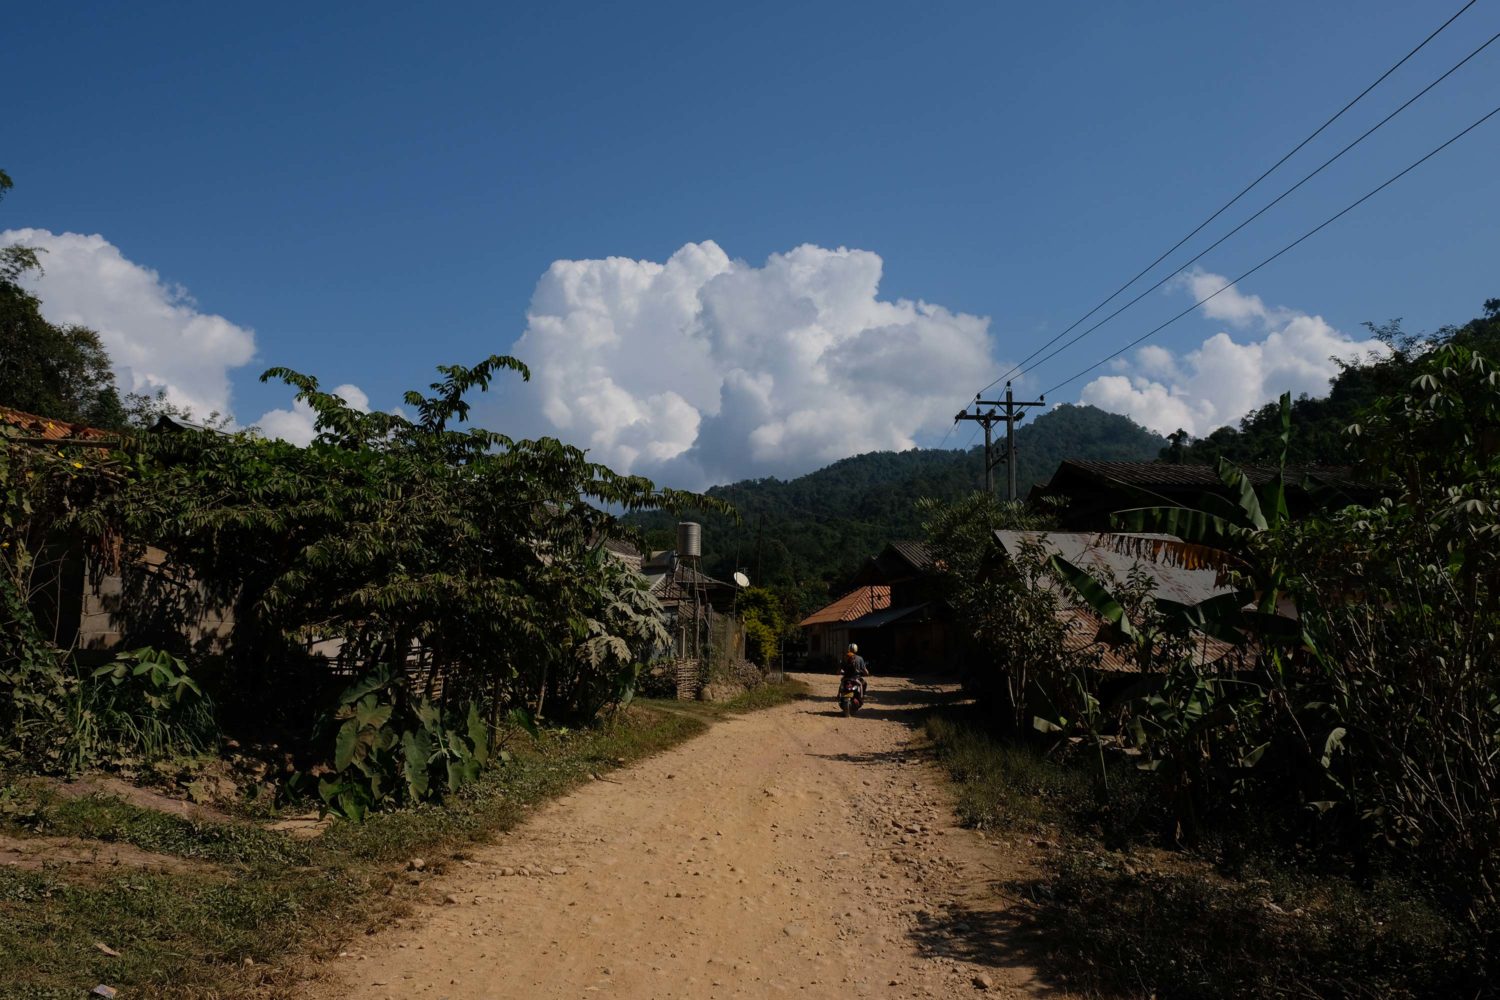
(695, 602)
(1089, 492)
(1106, 555)
(910, 635)
(82, 606)
(826, 631)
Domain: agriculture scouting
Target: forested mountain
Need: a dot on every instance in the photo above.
(806, 535)
(1318, 424)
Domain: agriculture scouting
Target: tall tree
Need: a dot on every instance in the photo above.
(54, 371)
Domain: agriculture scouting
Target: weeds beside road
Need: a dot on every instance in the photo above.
(1118, 915)
(236, 919)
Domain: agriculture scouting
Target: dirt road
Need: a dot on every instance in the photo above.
(786, 853)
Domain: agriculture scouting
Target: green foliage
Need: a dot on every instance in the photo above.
(34, 684)
(390, 750)
(1011, 637)
(1115, 921)
(1358, 714)
(462, 554)
(142, 706)
(766, 625)
(1402, 609)
(47, 497)
(804, 537)
(1359, 385)
(53, 371)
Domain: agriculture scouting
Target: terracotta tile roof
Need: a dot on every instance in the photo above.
(852, 605)
(49, 429)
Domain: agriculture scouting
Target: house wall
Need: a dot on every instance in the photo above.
(174, 603)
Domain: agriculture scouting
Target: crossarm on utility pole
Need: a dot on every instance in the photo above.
(1014, 411)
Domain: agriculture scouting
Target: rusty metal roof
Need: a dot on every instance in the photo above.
(1115, 554)
(852, 605)
(51, 430)
(1103, 554)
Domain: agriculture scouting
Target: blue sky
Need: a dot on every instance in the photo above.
(375, 189)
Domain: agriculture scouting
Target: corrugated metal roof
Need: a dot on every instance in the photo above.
(915, 553)
(50, 429)
(1204, 477)
(623, 549)
(1100, 554)
(668, 588)
(877, 619)
(851, 606)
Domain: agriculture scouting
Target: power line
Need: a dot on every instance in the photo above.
(1319, 227)
(1265, 208)
(1246, 190)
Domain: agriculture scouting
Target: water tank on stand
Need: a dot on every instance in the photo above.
(689, 540)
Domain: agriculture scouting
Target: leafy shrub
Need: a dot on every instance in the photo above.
(143, 705)
(392, 750)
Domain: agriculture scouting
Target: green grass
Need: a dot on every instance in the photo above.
(1118, 916)
(258, 895)
(1002, 785)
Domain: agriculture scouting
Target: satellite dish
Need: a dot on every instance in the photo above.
(741, 579)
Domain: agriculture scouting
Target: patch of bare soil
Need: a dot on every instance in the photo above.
(145, 798)
(788, 852)
(84, 856)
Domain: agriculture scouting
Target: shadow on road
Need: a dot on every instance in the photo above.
(1005, 936)
(908, 706)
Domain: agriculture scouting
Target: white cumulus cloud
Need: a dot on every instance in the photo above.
(705, 369)
(154, 332)
(1223, 379)
(299, 424)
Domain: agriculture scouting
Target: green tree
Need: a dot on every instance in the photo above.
(765, 625)
(54, 371)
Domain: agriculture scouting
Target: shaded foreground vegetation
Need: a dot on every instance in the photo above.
(251, 905)
(1114, 912)
(1327, 722)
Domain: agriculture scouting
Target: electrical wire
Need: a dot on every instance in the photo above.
(1246, 190)
(1318, 228)
(1265, 208)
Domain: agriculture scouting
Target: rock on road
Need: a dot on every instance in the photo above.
(787, 852)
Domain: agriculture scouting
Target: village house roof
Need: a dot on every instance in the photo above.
(897, 562)
(851, 606)
(1100, 554)
(1164, 475)
(624, 551)
(676, 582)
(911, 613)
(1094, 491)
(49, 429)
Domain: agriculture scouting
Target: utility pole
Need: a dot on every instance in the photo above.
(987, 419)
(1014, 411)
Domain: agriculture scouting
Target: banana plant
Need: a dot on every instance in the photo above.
(1230, 535)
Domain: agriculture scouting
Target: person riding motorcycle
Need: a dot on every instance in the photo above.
(854, 666)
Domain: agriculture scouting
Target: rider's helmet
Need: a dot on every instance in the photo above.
(853, 648)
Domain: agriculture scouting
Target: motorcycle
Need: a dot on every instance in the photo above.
(851, 694)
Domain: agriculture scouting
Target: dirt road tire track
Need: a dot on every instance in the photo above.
(788, 852)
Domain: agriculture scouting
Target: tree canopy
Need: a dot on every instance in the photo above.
(53, 371)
